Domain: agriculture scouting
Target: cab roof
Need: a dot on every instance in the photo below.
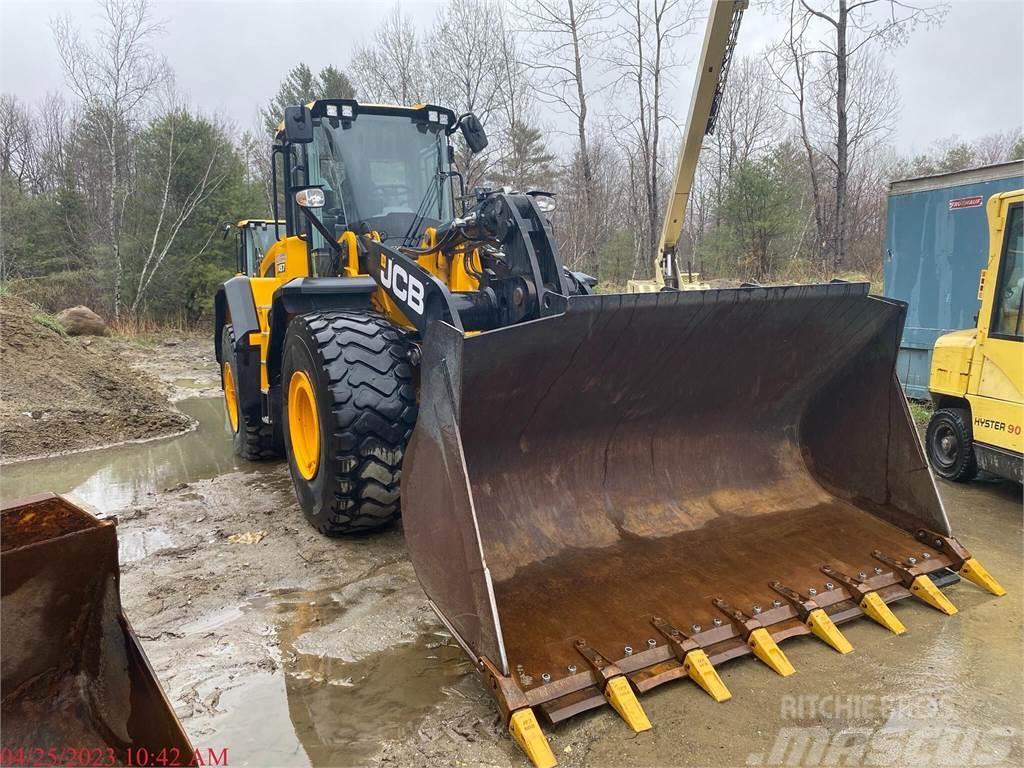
(417, 112)
(254, 222)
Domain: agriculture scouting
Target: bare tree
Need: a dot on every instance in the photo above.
(466, 47)
(564, 36)
(791, 63)
(115, 76)
(642, 58)
(17, 129)
(390, 67)
(837, 31)
(997, 147)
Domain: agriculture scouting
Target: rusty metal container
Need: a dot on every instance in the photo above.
(73, 674)
(601, 492)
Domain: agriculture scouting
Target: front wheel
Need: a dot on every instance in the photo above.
(950, 444)
(349, 408)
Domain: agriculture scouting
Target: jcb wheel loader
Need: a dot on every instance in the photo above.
(599, 493)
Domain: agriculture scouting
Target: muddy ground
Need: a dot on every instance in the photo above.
(60, 394)
(292, 649)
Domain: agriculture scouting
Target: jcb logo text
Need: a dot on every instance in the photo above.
(404, 286)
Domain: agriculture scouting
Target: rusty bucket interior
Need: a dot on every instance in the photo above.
(577, 482)
(74, 675)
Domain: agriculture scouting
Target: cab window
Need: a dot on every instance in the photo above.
(1007, 319)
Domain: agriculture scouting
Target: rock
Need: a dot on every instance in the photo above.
(82, 321)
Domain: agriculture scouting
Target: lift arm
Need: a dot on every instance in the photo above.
(713, 69)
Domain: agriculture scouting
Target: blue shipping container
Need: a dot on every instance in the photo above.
(936, 244)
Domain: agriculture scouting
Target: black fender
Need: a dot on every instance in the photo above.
(234, 303)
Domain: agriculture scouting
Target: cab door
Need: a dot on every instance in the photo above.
(996, 388)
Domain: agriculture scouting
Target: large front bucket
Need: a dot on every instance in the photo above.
(77, 688)
(604, 491)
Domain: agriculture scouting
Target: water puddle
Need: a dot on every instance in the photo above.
(191, 384)
(122, 476)
(135, 545)
(318, 710)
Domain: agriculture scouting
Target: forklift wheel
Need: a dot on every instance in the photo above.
(951, 445)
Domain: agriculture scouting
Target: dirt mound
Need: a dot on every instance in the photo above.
(59, 393)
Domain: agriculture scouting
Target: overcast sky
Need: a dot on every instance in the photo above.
(965, 78)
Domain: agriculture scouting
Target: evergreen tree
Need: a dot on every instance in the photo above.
(300, 86)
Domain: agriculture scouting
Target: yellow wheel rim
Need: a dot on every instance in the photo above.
(303, 425)
(230, 398)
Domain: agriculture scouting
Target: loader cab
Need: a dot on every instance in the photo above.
(253, 238)
(381, 169)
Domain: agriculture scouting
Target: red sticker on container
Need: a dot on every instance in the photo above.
(965, 202)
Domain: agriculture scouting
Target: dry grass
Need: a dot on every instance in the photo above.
(134, 327)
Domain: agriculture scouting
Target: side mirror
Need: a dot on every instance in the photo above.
(473, 132)
(298, 125)
(310, 197)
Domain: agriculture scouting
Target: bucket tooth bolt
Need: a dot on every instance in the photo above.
(526, 731)
(814, 617)
(757, 638)
(694, 660)
(975, 572)
(919, 584)
(963, 563)
(870, 602)
(617, 689)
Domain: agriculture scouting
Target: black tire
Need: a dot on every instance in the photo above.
(253, 440)
(362, 379)
(950, 444)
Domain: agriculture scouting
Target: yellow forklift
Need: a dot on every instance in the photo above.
(977, 375)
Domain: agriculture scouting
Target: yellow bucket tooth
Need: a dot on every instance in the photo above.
(625, 702)
(526, 731)
(924, 589)
(700, 670)
(821, 624)
(877, 610)
(974, 571)
(766, 650)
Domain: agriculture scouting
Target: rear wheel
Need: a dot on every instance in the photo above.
(350, 406)
(251, 438)
(950, 444)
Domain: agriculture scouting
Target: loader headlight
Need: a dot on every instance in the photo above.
(332, 110)
(312, 197)
(346, 110)
(544, 203)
